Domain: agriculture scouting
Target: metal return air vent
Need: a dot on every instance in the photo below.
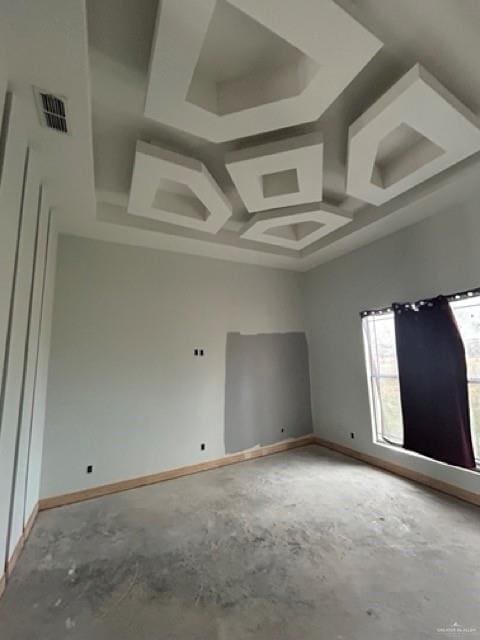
(52, 111)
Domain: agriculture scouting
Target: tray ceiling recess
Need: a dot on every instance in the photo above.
(413, 132)
(172, 188)
(254, 66)
(226, 70)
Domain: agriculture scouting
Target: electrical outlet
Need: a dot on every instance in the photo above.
(283, 429)
(352, 435)
(202, 446)
(89, 468)
(195, 352)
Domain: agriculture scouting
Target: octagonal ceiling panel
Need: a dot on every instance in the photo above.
(413, 132)
(172, 188)
(296, 227)
(279, 174)
(228, 69)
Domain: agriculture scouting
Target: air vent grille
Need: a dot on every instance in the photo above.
(53, 111)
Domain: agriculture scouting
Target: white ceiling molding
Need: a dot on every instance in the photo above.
(172, 188)
(223, 69)
(413, 132)
(296, 227)
(279, 174)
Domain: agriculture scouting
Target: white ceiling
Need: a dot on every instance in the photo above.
(106, 86)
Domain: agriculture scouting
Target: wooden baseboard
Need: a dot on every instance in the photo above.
(250, 454)
(438, 485)
(30, 522)
(134, 483)
(14, 557)
(21, 542)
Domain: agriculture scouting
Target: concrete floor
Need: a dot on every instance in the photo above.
(302, 545)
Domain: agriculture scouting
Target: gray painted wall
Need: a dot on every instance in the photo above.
(125, 392)
(439, 255)
(267, 390)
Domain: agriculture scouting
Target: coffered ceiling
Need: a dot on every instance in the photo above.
(278, 133)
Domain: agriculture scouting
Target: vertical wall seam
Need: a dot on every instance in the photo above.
(37, 357)
(6, 359)
(6, 355)
(24, 378)
(5, 128)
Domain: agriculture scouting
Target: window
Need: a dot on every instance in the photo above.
(382, 369)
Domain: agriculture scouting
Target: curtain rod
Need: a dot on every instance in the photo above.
(458, 295)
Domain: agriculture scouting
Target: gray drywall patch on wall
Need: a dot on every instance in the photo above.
(267, 389)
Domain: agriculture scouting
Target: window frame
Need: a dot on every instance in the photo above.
(374, 375)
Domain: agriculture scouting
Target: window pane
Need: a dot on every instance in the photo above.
(391, 410)
(385, 391)
(384, 336)
(468, 320)
(474, 397)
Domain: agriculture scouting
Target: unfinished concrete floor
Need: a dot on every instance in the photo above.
(302, 545)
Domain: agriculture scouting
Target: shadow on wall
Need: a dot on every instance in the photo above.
(267, 389)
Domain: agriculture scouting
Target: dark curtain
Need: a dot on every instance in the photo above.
(433, 382)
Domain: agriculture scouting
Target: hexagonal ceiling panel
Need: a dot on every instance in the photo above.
(296, 227)
(416, 130)
(228, 69)
(172, 188)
